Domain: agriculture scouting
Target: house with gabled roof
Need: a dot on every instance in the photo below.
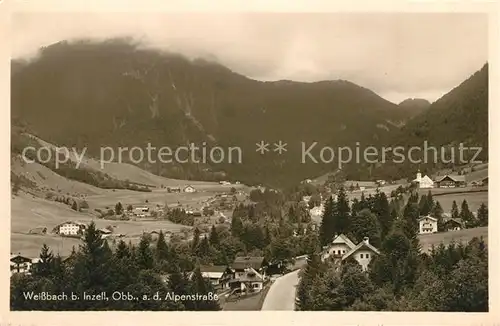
(427, 224)
(340, 245)
(219, 276)
(452, 224)
(70, 228)
(362, 253)
(241, 263)
(249, 273)
(189, 189)
(20, 264)
(450, 181)
(342, 248)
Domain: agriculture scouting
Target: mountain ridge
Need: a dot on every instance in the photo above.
(143, 95)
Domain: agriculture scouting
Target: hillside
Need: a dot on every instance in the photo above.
(414, 106)
(460, 116)
(115, 93)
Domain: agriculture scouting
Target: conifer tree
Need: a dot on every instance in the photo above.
(342, 213)
(214, 236)
(122, 250)
(144, 254)
(196, 239)
(383, 213)
(366, 224)
(118, 208)
(482, 215)
(45, 266)
(466, 215)
(454, 210)
(161, 247)
(437, 212)
(236, 226)
(327, 227)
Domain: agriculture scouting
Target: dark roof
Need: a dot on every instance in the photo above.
(453, 220)
(213, 269)
(18, 259)
(251, 278)
(455, 178)
(245, 262)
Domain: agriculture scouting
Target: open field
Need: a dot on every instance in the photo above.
(29, 212)
(474, 200)
(465, 235)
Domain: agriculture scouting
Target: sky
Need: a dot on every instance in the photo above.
(397, 55)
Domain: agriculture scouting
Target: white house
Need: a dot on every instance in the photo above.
(21, 264)
(189, 189)
(219, 276)
(141, 211)
(340, 245)
(427, 224)
(342, 248)
(71, 228)
(363, 253)
(424, 182)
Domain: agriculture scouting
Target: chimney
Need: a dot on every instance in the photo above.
(366, 239)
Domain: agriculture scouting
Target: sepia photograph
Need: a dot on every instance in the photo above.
(212, 161)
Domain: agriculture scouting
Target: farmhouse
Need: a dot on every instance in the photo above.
(453, 224)
(240, 264)
(70, 228)
(479, 182)
(174, 189)
(21, 264)
(189, 189)
(38, 230)
(250, 280)
(142, 211)
(362, 253)
(450, 181)
(427, 224)
(342, 248)
(219, 276)
(423, 182)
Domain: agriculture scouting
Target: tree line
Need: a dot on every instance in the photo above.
(401, 278)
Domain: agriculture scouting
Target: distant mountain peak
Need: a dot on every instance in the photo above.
(414, 105)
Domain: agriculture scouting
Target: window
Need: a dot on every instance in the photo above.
(367, 255)
(343, 251)
(361, 255)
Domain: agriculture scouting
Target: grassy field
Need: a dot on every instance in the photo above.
(29, 212)
(465, 235)
(474, 200)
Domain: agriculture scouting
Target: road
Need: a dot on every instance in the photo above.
(281, 295)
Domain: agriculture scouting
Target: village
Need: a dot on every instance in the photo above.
(252, 275)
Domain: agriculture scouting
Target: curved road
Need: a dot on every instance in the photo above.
(281, 295)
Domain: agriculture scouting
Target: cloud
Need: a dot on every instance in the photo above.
(395, 55)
